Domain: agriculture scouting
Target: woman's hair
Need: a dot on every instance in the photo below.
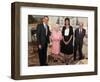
(68, 20)
(56, 26)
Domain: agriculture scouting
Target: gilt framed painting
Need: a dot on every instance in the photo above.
(53, 40)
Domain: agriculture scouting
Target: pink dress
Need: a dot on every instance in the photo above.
(55, 38)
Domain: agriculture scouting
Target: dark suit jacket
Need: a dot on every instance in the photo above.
(79, 36)
(42, 38)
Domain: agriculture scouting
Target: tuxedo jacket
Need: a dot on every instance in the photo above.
(42, 37)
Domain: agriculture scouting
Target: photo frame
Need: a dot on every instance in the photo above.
(19, 40)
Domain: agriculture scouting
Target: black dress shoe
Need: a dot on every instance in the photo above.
(46, 64)
(55, 60)
(80, 58)
(66, 63)
(74, 59)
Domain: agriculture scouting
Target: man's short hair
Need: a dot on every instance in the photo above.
(46, 17)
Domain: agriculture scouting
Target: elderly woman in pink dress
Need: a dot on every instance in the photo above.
(56, 37)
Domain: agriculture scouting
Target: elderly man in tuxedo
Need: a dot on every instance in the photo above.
(43, 34)
(78, 43)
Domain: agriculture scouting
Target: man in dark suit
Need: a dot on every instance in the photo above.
(78, 43)
(43, 34)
